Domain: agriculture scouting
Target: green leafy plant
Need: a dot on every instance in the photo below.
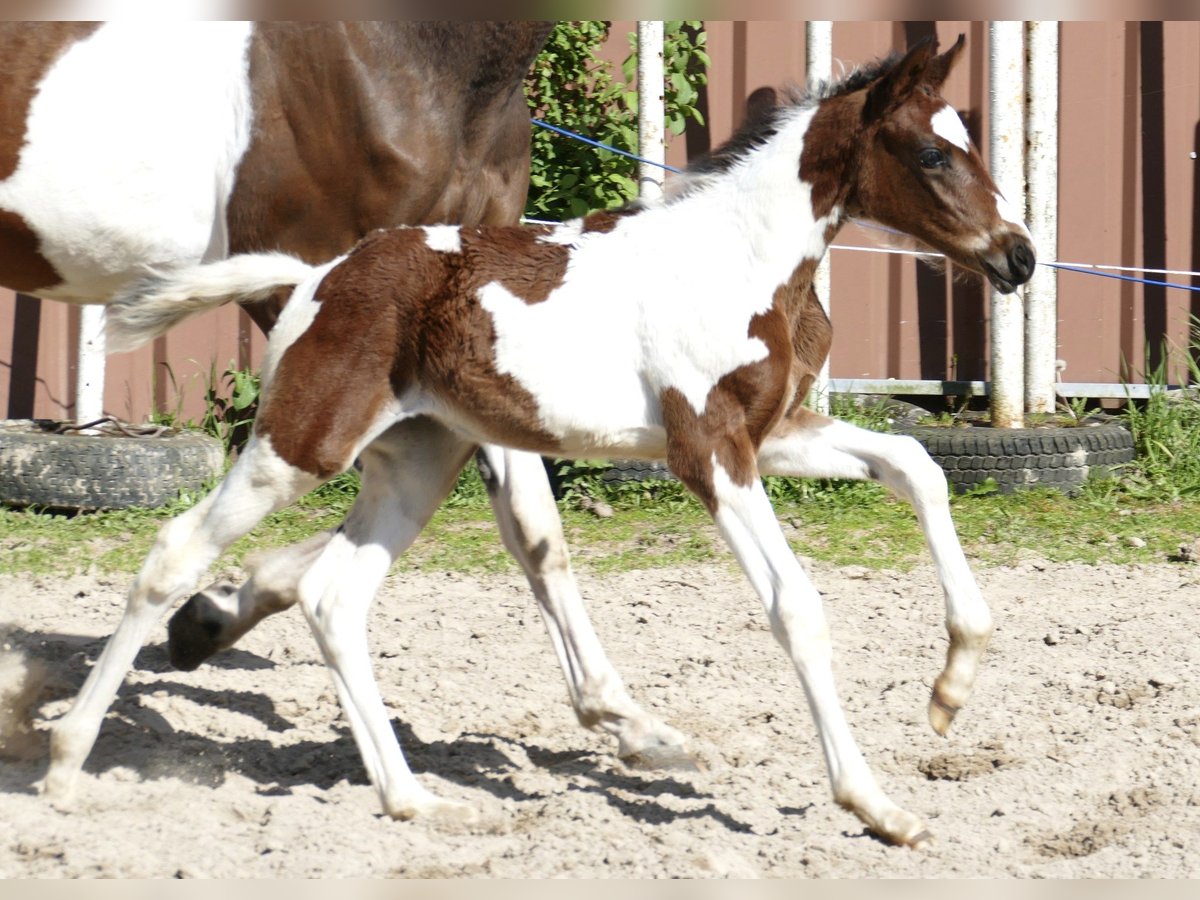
(570, 86)
(229, 413)
(1166, 429)
(684, 63)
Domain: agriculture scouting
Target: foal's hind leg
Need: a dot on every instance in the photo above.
(258, 484)
(532, 531)
(814, 446)
(406, 473)
(216, 617)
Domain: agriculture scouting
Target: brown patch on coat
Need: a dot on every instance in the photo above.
(430, 145)
(22, 266)
(516, 258)
(605, 220)
(394, 314)
(811, 331)
(739, 412)
(831, 152)
(28, 50)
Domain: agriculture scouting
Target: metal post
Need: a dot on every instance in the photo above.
(1007, 138)
(651, 109)
(818, 38)
(1041, 170)
(89, 376)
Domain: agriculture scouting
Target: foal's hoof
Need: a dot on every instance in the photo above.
(58, 787)
(669, 757)
(901, 828)
(921, 840)
(429, 807)
(941, 714)
(193, 634)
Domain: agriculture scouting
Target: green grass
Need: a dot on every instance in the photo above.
(856, 525)
(1143, 515)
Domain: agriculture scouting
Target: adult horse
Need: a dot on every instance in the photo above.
(707, 365)
(125, 146)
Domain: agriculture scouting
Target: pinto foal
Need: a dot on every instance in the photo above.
(704, 335)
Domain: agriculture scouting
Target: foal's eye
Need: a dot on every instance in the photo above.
(932, 158)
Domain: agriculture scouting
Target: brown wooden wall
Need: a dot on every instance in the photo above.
(1129, 195)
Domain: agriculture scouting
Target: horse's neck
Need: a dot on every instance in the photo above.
(760, 211)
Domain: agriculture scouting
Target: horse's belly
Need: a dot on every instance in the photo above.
(129, 156)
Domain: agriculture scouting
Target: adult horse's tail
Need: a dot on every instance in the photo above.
(152, 305)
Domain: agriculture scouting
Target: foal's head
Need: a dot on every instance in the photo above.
(915, 169)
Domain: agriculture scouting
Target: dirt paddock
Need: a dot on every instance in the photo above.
(1078, 757)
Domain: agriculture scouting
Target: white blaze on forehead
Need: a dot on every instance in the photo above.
(443, 238)
(948, 124)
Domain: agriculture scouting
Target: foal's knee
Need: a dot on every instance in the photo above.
(802, 632)
(910, 470)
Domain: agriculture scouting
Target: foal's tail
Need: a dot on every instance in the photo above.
(152, 305)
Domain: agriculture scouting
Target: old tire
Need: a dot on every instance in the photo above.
(1055, 457)
(637, 470)
(91, 472)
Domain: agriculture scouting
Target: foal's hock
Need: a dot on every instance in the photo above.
(704, 338)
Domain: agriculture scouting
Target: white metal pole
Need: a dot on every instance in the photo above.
(818, 38)
(651, 109)
(89, 376)
(1007, 138)
(1041, 174)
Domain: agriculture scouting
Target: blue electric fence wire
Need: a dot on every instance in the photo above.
(1065, 268)
(1169, 284)
(609, 147)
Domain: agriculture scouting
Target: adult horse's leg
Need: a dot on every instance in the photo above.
(258, 484)
(532, 531)
(406, 474)
(809, 445)
(744, 516)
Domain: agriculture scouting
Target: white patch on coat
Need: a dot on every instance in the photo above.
(131, 149)
(566, 233)
(948, 125)
(664, 300)
(443, 238)
(302, 307)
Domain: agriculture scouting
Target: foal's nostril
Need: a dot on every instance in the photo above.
(1021, 261)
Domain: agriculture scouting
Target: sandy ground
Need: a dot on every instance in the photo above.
(1079, 756)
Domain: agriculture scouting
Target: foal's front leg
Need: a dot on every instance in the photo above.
(813, 446)
(258, 484)
(744, 516)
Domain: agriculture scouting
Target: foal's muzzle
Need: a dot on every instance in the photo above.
(1010, 266)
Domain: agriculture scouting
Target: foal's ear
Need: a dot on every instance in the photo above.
(761, 102)
(899, 82)
(940, 66)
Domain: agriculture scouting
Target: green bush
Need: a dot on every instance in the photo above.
(571, 87)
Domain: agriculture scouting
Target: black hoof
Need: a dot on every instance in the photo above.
(193, 632)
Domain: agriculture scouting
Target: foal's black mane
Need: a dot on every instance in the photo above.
(763, 122)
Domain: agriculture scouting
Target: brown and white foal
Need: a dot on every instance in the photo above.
(703, 336)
